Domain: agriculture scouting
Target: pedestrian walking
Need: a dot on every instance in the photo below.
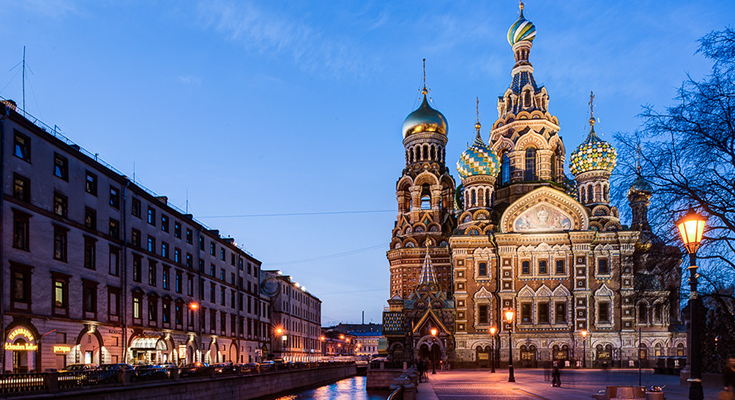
(420, 367)
(728, 379)
(556, 375)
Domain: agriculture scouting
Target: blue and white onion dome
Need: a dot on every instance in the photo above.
(521, 30)
(594, 154)
(478, 159)
(424, 119)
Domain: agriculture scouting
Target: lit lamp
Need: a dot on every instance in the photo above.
(492, 348)
(434, 331)
(584, 348)
(509, 318)
(691, 229)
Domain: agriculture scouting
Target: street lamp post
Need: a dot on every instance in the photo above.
(691, 229)
(194, 307)
(584, 348)
(434, 331)
(492, 349)
(509, 319)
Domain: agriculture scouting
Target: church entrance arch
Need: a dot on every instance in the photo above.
(604, 356)
(528, 356)
(560, 354)
(482, 356)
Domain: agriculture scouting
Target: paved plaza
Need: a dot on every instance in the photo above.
(534, 384)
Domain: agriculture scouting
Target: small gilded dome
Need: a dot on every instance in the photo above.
(424, 119)
(640, 185)
(478, 159)
(594, 154)
(521, 30)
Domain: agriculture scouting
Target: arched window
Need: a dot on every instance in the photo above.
(607, 193)
(657, 312)
(482, 269)
(642, 313)
(582, 196)
(508, 104)
(505, 169)
(433, 153)
(530, 164)
(590, 199)
(425, 197)
(528, 98)
(473, 201)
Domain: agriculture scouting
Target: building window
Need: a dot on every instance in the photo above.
(604, 314)
(113, 301)
(21, 188)
(212, 270)
(60, 205)
(177, 230)
(189, 236)
(60, 243)
(164, 223)
(526, 313)
(212, 249)
(151, 216)
(482, 269)
(222, 274)
(232, 278)
(178, 282)
(21, 230)
(177, 256)
(559, 266)
(222, 254)
(179, 314)
(151, 244)
(89, 296)
(152, 273)
(152, 310)
(114, 261)
(543, 268)
(90, 218)
(90, 253)
(189, 261)
(602, 267)
(135, 208)
(543, 313)
(135, 237)
(61, 167)
(505, 170)
(482, 314)
(164, 249)
(212, 293)
(136, 306)
(91, 184)
(530, 164)
(525, 267)
(239, 264)
(165, 277)
(166, 311)
(61, 294)
(137, 268)
(22, 148)
(20, 284)
(114, 197)
(114, 228)
(560, 313)
(222, 295)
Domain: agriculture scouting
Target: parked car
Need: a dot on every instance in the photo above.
(266, 365)
(111, 373)
(83, 374)
(224, 368)
(194, 369)
(249, 368)
(149, 373)
(80, 368)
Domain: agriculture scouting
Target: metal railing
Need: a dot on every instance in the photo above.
(22, 383)
(397, 394)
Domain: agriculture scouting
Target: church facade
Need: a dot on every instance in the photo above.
(518, 235)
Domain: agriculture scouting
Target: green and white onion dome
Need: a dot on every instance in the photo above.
(594, 154)
(478, 159)
(521, 30)
(424, 119)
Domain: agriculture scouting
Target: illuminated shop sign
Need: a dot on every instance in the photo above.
(21, 347)
(61, 348)
(20, 333)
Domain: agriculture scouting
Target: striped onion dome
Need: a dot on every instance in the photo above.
(521, 30)
(478, 159)
(594, 154)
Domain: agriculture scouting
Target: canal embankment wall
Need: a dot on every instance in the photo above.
(226, 387)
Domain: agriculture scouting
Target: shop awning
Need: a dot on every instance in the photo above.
(148, 343)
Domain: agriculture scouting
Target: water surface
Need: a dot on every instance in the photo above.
(346, 389)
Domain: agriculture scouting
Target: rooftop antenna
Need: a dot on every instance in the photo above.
(24, 80)
(187, 201)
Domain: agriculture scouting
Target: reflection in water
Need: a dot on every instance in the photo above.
(346, 389)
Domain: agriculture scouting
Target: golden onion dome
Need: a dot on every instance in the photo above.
(424, 119)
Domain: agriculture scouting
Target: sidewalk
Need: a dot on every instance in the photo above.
(531, 384)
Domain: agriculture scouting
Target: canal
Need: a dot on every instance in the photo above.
(346, 389)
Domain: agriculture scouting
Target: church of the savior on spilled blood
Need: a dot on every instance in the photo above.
(517, 234)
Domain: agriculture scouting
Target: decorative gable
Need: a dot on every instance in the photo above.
(542, 210)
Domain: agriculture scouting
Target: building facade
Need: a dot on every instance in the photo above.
(296, 319)
(526, 238)
(98, 269)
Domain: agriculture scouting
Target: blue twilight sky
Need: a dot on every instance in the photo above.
(268, 107)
